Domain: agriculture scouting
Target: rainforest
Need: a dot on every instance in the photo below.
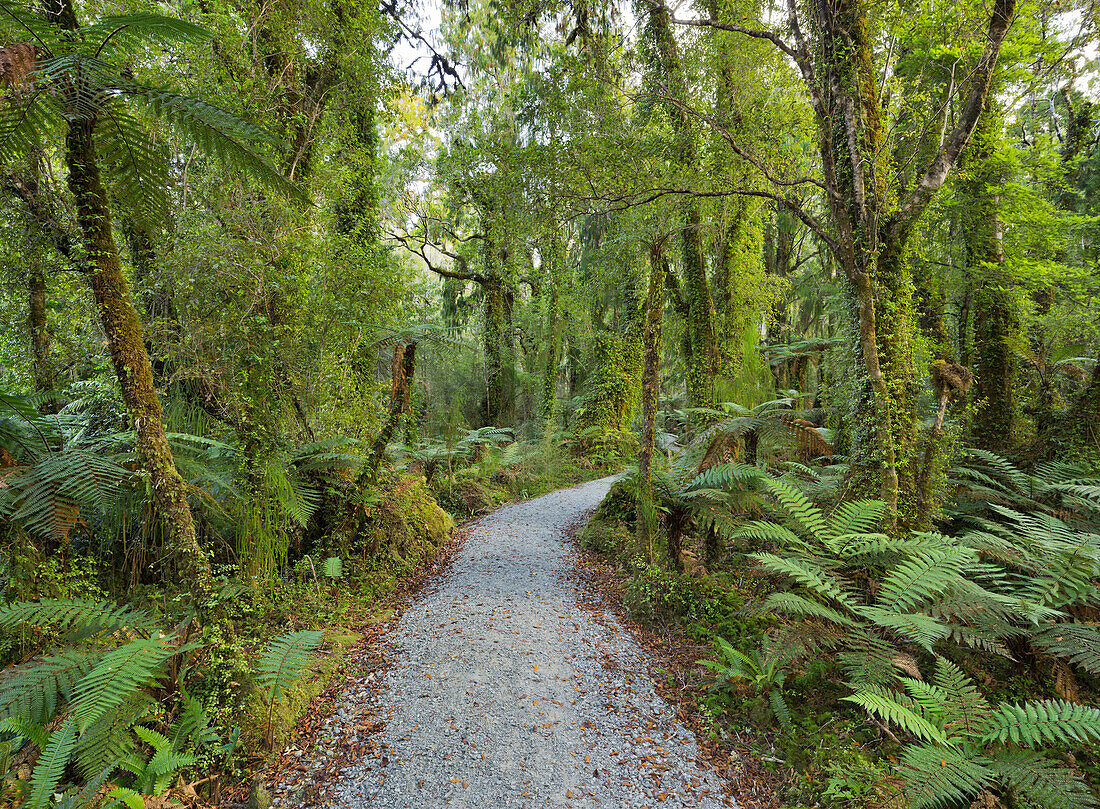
(607, 403)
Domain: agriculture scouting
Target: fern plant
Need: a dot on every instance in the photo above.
(872, 596)
(764, 671)
(962, 746)
(103, 685)
(281, 666)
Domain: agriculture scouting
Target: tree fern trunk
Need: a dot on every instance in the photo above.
(128, 355)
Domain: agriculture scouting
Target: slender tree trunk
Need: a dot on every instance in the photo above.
(125, 341)
(40, 335)
(646, 522)
(553, 340)
(1084, 416)
(495, 384)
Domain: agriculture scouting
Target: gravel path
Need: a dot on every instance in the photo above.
(505, 692)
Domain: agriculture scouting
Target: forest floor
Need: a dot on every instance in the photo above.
(500, 684)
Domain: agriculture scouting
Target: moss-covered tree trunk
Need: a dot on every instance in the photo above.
(549, 404)
(646, 522)
(125, 342)
(995, 324)
(496, 387)
(700, 332)
(403, 370)
(872, 226)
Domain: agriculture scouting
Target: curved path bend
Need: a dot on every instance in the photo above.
(504, 692)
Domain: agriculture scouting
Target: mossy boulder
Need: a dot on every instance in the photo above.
(408, 523)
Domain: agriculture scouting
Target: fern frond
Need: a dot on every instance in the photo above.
(1042, 782)
(137, 163)
(857, 516)
(118, 674)
(781, 710)
(943, 777)
(925, 575)
(794, 604)
(109, 741)
(917, 627)
(285, 661)
(763, 531)
(75, 615)
(33, 731)
(50, 766)
(799, 509)
(806, 573)
(127, 31)
(964, 707)
(1077, 643)
(893, 708)
(35, 690)
(1036, 723)
(216, 131)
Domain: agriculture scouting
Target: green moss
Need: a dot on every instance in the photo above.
(610, 397)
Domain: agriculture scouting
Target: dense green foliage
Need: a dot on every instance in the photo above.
(287, 288)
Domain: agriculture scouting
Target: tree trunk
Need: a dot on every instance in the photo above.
(700, 335)
(40, 335)
(404, 368)
(125, 342)
(1084, 417)
(553, 340)
(646, 522)
(495, 383)
(995, 321)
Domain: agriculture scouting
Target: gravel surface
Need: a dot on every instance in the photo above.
(505, 692)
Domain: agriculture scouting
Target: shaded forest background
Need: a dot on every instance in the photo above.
(288, 288)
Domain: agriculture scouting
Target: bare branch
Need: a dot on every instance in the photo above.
(421, 250)
(771, 36)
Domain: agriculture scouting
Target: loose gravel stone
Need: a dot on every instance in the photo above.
(505, 692)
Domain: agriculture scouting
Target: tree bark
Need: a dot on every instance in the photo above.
(125, 342)
(646, 522)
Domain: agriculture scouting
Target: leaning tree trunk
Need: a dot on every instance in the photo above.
(645, 524)
(125, 343)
